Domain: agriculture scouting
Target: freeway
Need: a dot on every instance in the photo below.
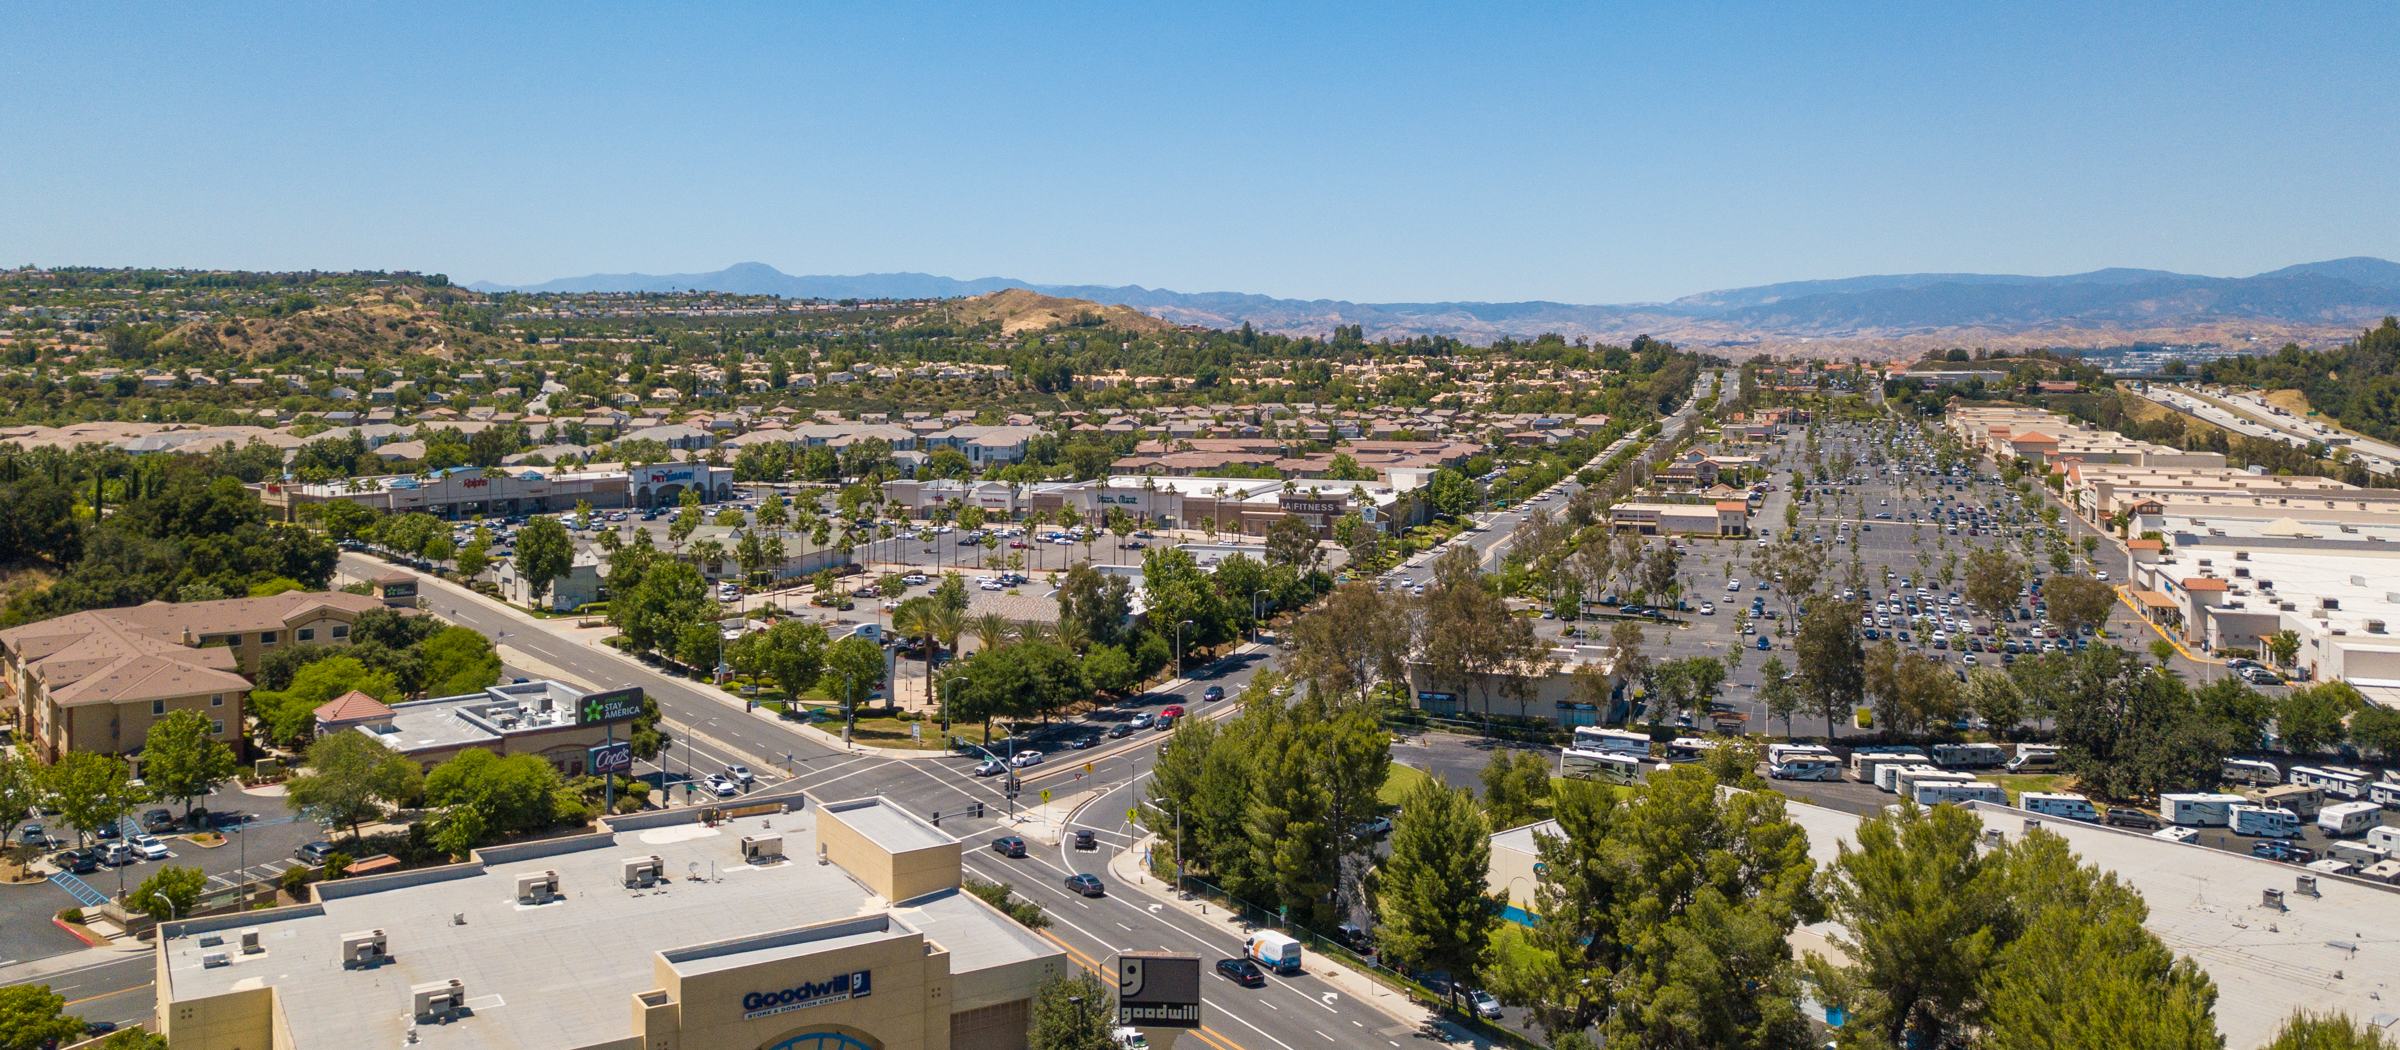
(2251, 416)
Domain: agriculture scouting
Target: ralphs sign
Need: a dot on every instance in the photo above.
(839, 989)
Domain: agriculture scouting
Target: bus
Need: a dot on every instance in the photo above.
(1612, 767)
(1620, 741)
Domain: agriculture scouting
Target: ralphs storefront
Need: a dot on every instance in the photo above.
(784, 924)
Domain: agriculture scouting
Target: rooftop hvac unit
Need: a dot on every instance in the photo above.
(2306, 886)
(2272, 899)
(211, 940)
(439, 1000)
(536, 887)
(250, 942)
(212, 960)
(762, 849)
(640, 872)
(2032, 824)
(1993, 837)
(361, 950)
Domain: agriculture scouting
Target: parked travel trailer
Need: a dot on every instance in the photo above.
(1594, 738)
(1936, 792)
(2382, 871)
(1778, 754)
(1807, 767)
(1887, 776)
(1689, 748)
(2197, 810)
(2250, 771)
(2246, 819)
(1969, 756)
(2301, 799)
(2385, 793)
(2386, 838)
(2358, 853)
(2059, 804)
(1613, 767)
(1863, 764)
(2034, 758)
(2332, 866)
(2343, 819)
(1906, 784)
(2339, 781)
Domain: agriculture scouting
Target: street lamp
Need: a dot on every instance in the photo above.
(849, 705)
(949, 693)
(1179, 646)
(688, 728)
(1254, 614)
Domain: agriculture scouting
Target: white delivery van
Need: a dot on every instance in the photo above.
(1274, 951)
(2034, 758)
(2059, 804)
(1937, 792)
(2246, 819)
(2349, 818)
(2196, 810)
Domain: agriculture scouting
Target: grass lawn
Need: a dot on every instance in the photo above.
(1399, 782)
(2019, 783)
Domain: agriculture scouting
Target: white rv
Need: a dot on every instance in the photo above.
(1906, 784)
(2059, 804)
(2302, 799)
(1969, 756)
(1778, 754)
(1594, 738)
(1863, 764)
(1807, 767)
(1689, 748)
(1937, 792)
(2034, 758)
(2343, 819)
(2340, 781)
(2385, 837)
(2385, 793)
(1887, 776)
(2246, 819)
(1613, 767)
(2250, 771)
(2197, 810)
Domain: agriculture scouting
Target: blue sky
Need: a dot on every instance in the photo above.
(1371, 152)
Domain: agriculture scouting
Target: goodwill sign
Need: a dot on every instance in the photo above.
(817, 993)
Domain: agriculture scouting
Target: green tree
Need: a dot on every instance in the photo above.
(2077, 602)
(792, 653)
(856, 665)
(1516, 788)
(1072, 1012)
(32, 1018)
(544, 553)
(1290, 541)
(1991, 693)
(92, 790)
(2311, 718)
(1430, 892)
(171, 892)
(2376, 729)
(507, 795)
(651, 614)
(183, 760)
(349, 779)
(20, 790)
(134, 1039)
(1993, 580)
(687, 519)
(476, 555)
(1832, 665)
(1919, 922)
(2127, 730)
(289, 715)
(2332, 1031)
(459, 660)
(1779, 690)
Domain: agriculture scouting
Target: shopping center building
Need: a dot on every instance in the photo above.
(458, 493)
(784, 924)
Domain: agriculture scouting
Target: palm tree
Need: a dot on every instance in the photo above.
(709, 553)
(990, 630)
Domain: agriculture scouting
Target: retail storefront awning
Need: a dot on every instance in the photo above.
(2154, 600)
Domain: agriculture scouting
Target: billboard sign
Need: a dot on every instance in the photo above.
(1155, 990)
(616, 705)
(610, 758)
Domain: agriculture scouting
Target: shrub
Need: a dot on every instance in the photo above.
(73, 915)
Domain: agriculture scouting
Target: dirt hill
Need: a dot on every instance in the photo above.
(1024, 310)
(366, 329)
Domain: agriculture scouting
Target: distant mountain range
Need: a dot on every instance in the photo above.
(1886, 315)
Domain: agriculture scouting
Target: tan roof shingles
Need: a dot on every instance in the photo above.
(167, 620)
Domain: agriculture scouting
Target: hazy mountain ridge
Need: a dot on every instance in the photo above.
(1874, 314)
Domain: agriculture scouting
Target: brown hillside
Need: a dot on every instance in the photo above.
(366, 329)
(1025, 310)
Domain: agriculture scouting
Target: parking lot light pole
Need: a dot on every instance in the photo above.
(1179, 647)
(688, 728)
(949, 693)
(1255, 619)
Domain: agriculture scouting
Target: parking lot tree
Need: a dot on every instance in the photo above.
(475, 555)
(2077, 602)
(2128, 730)
(1993, 580)
(1832, 664)
(1910, 693)
(687, 520)
(544, 553)
(20, 791)
(2375, 729)
(289, 715)
(92, 790)
(512, 794)
(1779, 690)
(1176, 590)
(1516, 788)
(182, 760)
(2313, 718)
(791, 653)
(1072, 1012)
(168, 893)
(345, 520)
(32, 1017)
(853, 670)
(1290, 541)
(1993, 695)
(1098, 605)
(1429, 895)
(2283, 647)
(133, 1039)
(1659, 569)
(349, 778)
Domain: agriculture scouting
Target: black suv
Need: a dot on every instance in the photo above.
(77, 861)
(1009, 846)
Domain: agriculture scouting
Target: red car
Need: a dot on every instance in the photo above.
(1172, 711)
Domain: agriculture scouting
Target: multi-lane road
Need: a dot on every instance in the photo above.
(2250, 415)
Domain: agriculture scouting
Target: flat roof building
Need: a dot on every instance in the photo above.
(663, 930)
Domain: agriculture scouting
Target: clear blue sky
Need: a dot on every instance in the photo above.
(1598, 152)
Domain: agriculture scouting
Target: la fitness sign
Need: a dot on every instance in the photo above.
(841, 988)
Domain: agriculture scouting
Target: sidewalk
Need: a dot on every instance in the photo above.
(1411, 1017)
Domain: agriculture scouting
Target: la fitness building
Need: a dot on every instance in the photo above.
(784, 924)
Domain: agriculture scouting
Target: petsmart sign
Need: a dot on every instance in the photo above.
(841, 988)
